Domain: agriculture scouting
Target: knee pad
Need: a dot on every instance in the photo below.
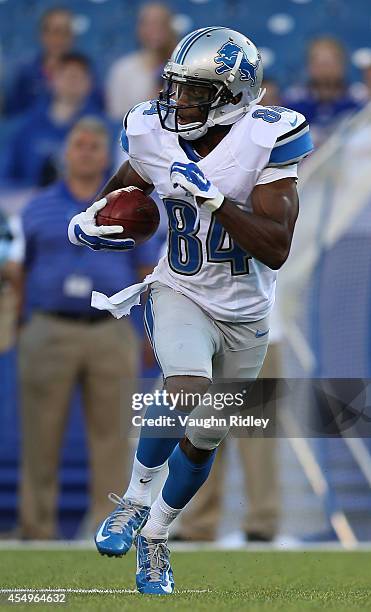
(206, 437)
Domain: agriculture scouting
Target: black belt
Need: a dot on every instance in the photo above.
(78, 316)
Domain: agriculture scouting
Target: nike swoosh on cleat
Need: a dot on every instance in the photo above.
(145, 480)
(100, 537)
(293, 123)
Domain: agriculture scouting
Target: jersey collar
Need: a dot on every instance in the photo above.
(189, 150)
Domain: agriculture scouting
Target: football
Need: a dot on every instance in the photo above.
(131, 208)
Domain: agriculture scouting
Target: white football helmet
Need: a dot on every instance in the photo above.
(224, 66)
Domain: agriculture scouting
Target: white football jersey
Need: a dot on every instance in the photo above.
(202, 261)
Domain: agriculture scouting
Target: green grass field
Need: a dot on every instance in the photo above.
(236, 580)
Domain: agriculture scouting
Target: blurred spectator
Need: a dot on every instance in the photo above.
(137, 77)
(5, 238)
(325, 99)
(65, 342)
(272, 96)
(33, 155)
(11, 254)
(367, 82)
(361, 91)
(34, 79)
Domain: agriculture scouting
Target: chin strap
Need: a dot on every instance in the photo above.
(194, 132)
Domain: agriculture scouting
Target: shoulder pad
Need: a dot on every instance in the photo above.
(141, 119)
(283, 130)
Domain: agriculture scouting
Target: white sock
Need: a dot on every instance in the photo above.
(160, 519)
(141, 482)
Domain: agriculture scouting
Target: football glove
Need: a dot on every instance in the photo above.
(83, 230)
(191, 178)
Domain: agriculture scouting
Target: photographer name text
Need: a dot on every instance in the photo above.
(207, 423)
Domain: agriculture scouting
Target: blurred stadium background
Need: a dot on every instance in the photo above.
(324, 300)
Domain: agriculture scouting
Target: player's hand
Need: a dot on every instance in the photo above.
(191, 178)
(83, 230)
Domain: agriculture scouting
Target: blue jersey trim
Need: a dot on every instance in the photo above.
(149, 324)
(124, 141)
(292, 150)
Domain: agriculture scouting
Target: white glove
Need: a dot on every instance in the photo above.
(83, 230)
(191, 178)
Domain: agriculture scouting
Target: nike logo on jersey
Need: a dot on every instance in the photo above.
(100, 537)
(145, 480)
(259, 333)
(293, 123)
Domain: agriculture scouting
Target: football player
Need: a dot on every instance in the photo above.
(226, 169)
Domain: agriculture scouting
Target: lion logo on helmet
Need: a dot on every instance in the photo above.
(226, 58)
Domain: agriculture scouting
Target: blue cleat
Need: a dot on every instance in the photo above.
(154, 573)
(116, 534)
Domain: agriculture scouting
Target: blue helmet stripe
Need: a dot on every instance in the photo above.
(190, 40)
(191, 35)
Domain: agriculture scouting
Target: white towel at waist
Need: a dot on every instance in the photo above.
(121, 303)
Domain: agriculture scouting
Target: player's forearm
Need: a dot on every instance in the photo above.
(125, 177)
(112, 184)
(266, 240)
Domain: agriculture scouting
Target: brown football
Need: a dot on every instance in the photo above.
(131, 208)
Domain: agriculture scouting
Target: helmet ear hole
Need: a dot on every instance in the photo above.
(236, 99)
(226, 96)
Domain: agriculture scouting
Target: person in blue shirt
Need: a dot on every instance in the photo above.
(325, 98)
(33, 154)
(32, 81)
(65, 342)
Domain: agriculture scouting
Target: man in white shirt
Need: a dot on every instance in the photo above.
(137, 76)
